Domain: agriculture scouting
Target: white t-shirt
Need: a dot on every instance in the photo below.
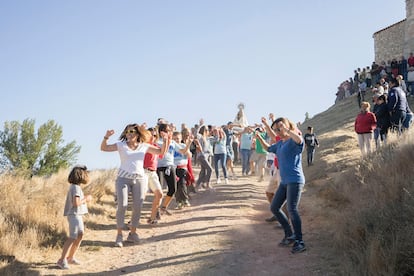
(132, 161)
(74, 190)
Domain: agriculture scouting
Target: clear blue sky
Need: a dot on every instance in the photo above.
(97, 65)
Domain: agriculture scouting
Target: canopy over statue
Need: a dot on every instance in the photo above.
(241, 118)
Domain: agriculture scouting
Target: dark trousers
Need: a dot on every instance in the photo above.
(181, 194)
(169, 175)
(310, 154)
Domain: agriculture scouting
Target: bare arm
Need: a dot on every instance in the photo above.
(166, 143)
(104, 144)
(268, 129)
(265, 145)
(78, 202)
(294, 134)
(186, 150)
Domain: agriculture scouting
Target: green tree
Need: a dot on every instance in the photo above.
(306, 116)
(30, 153)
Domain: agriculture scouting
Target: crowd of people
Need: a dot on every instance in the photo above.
(387, 85)
(162, 156)
(376, 77)
(391, 112)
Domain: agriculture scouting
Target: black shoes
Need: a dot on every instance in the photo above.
(271, 219)
(298, 246)
(286, 241)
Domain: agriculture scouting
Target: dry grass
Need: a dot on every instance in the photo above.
(31, 211)
(374, 223)
(368, 202)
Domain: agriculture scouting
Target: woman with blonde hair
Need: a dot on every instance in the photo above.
(365, 123)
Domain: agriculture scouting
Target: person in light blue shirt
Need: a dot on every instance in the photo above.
(166, 168)
(220, 153)
(245, 149)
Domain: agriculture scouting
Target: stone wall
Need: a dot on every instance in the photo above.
(389, 42)
(409, 28)
(396, 40)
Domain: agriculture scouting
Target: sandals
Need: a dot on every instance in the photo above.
(165, 211)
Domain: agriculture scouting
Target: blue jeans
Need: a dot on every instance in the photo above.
(220, 157)
(245, 158)
(408, 120)
(289, 194)
(410, 86)
(397, 119)
(380, 134)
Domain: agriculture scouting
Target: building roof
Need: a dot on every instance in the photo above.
(390, 26)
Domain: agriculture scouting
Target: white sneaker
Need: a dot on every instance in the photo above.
(62, 264)
(73, 261)
(218, 181)
(118, 241)
(226, 180)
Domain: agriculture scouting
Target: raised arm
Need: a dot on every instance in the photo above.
(166, 138)
(269, 130)
(104, 144)
(188, 142)
(262, 141)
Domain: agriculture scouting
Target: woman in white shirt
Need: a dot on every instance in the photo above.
(132, 146)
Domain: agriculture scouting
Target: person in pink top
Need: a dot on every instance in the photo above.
(150, 167)
(365, 123)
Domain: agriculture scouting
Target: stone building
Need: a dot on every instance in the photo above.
(396, 40)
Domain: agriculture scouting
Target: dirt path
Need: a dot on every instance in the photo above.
(222, 233)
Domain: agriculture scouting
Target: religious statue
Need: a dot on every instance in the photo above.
(241, 119)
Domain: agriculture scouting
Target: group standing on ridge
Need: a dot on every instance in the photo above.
(388, 86)
(391, 112)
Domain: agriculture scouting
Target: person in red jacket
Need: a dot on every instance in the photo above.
(365, 124)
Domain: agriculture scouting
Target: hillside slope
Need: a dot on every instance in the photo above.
(334, 128)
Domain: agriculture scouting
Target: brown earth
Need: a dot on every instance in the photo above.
(222, 233)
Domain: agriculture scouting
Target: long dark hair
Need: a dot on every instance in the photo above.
(202, 130)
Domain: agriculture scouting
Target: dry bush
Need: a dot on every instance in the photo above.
(31, 210)
(101, 184)
(368, 207)
(374, 222)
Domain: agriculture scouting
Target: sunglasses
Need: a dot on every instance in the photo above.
(131, 131)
